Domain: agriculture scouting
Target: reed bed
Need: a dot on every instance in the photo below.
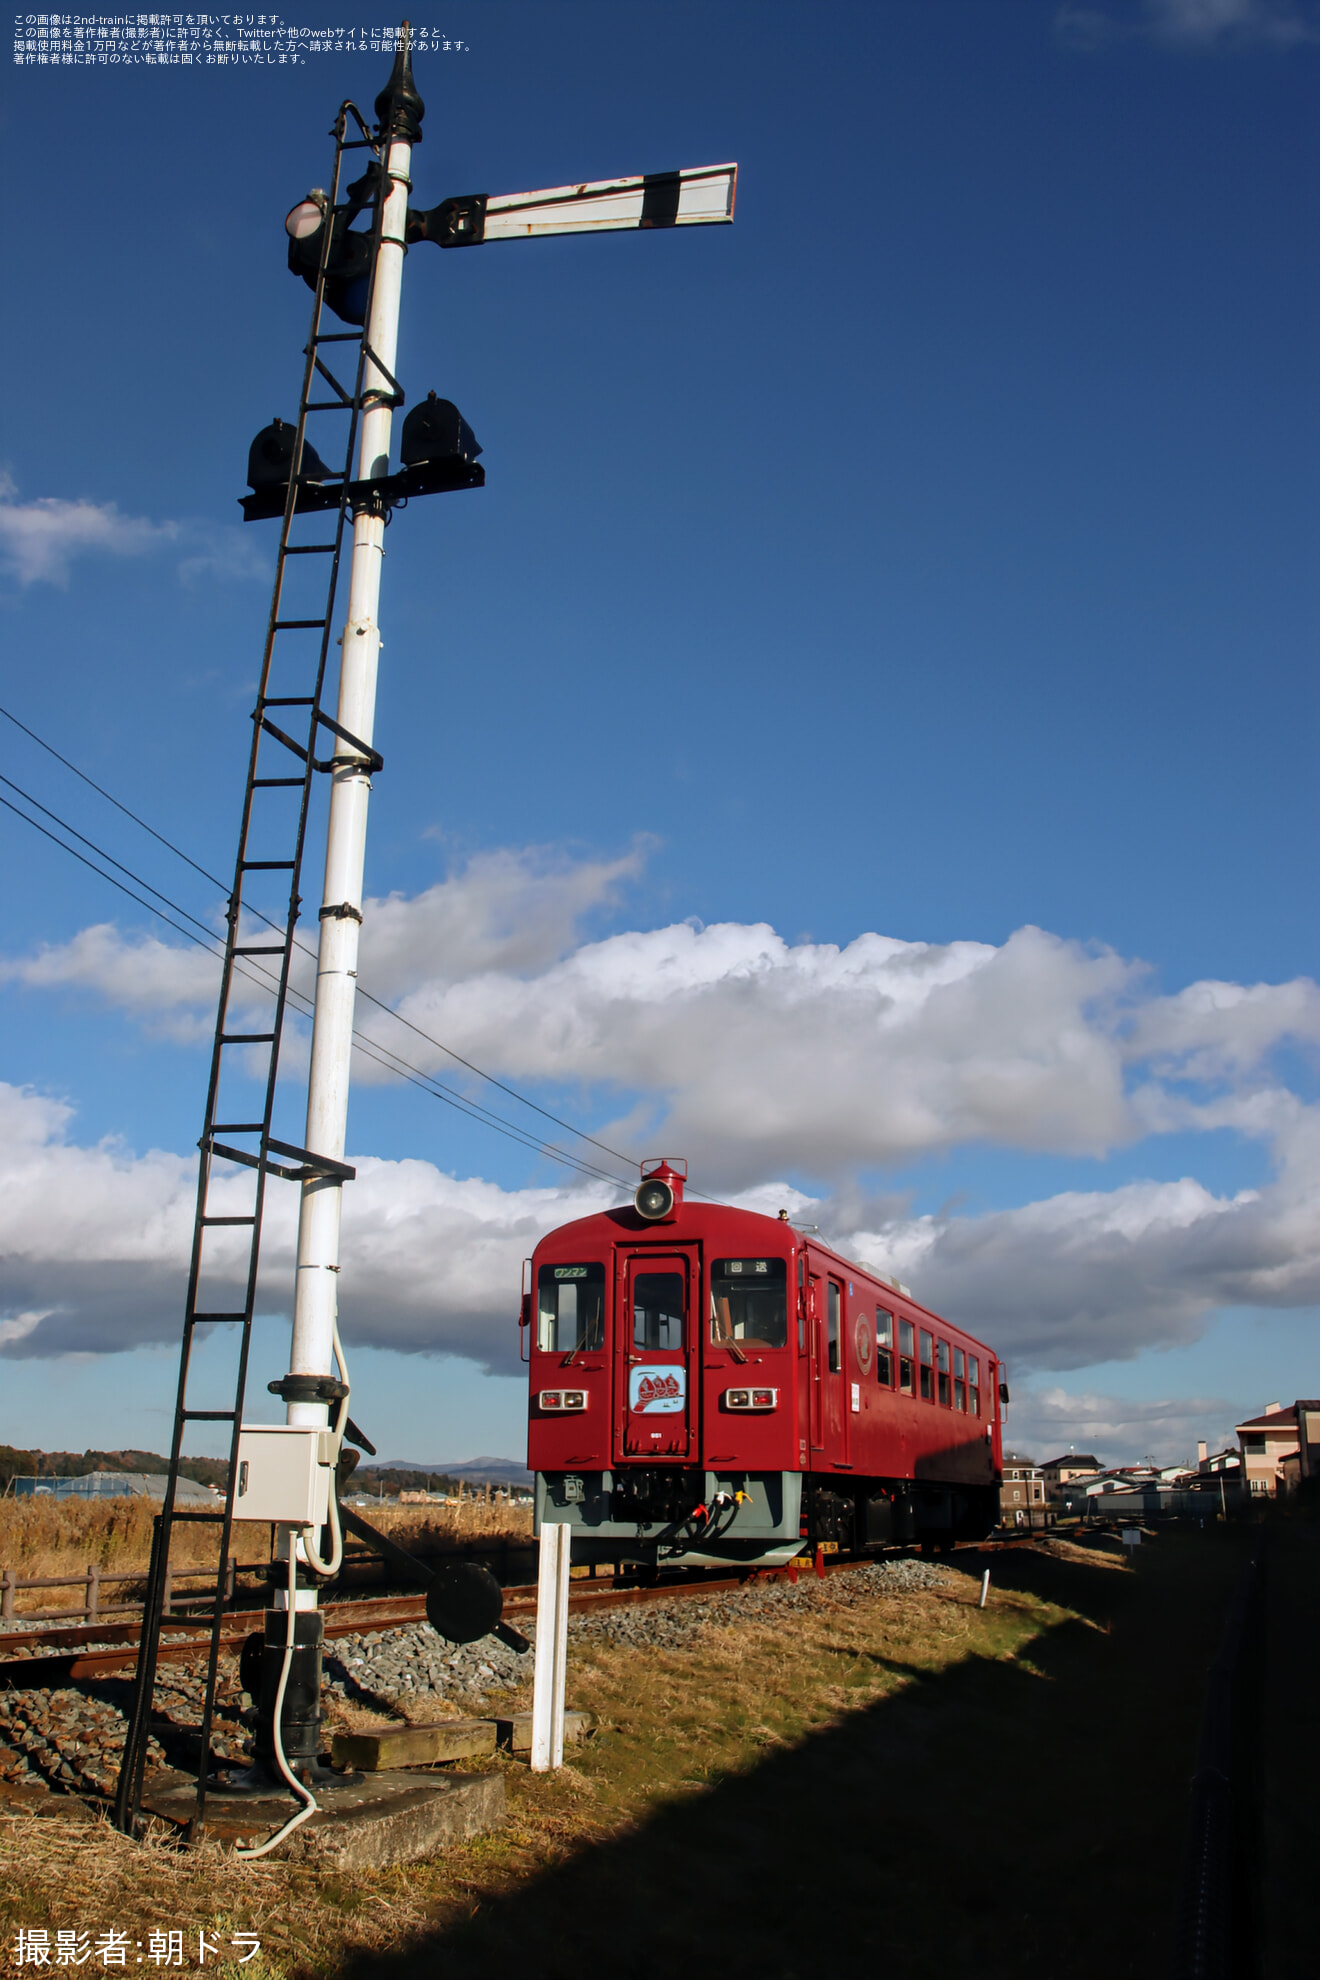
(57, 1537)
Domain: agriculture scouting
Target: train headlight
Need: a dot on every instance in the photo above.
(661, 1192)
(562, 1399)
(751, 1398)
(654, 1200)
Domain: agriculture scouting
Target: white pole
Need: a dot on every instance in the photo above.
(315, 1302)
(550, 1669)
(985, 1589)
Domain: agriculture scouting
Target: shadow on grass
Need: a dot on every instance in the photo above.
(1025, 1813)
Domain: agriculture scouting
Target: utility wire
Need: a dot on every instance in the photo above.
(370, 1048)
(617, 1153)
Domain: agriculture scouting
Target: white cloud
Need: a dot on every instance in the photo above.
(40, 540)
(432, 1263)
(756, 1057)
(1106, 1275)
(95, 1240)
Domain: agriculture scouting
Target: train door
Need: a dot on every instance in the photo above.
(834, 1402)
(815, 1358)
(656, 1342)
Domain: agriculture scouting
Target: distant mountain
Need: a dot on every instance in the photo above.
(476, 1471)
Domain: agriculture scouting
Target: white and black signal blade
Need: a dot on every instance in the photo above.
(700, 196)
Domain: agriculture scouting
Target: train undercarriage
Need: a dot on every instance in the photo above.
(682, 1516)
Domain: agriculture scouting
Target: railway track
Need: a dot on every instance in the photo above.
(62, 1656)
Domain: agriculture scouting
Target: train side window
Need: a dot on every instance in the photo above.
(884, 1348)
(974, 1383)
(749, 1301)
(906, 1357)
(802, 1302)
(959, 1379)
(942, 1371)
(832, 1328)
(570, 1308)
(927, 1365)
(658, 1310)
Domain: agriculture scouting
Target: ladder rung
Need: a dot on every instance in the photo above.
(309, 549)
(298, 625)
(266, 865)
(263, 949)
(331, 405)
(214, 1519)
(226, 1220)
(207, 1415)
(247, 1037)
(277, 783)
(339, 336)
(239, 1127)
(197, 1319)
(290, 700)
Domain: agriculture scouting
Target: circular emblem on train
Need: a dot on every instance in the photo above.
(862, 1339)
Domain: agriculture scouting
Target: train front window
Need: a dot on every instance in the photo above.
(570, 1308)
(906, 1357)
(942, 1371)
(884, 1348)
(832, 1329)
(658, 1310)
(749, 1301)
(927, 1365)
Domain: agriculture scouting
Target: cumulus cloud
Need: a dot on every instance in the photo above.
(41, 539)
(94, 1243)
(756, 1057)
(1105, 1275)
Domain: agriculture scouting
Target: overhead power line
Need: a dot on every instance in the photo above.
(580, 1134)
(369, 1047)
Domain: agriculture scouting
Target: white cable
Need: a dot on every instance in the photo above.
(304, 1814)
(318, 1566)
(331, 1567)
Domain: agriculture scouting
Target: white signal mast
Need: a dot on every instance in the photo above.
(701, 196)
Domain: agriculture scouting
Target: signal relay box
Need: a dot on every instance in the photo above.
(285, 1473)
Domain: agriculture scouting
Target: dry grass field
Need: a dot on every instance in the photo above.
(49, 1537)
(871, 1783)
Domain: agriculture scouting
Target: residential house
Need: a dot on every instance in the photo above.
(1266, 1440)
(1023, 1488)
(1062, 1472)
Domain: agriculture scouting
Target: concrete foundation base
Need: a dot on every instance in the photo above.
(389, 1818)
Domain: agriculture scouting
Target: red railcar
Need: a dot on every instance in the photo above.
(713, 1385)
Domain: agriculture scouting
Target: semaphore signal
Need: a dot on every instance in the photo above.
(348, 243)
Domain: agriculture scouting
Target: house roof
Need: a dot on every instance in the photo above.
(1019, 1457)
(1277, 1419)
(1073, 1461)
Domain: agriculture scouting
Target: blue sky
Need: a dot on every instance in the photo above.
(925, 558)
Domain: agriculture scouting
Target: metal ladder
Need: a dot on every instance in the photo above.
(264, 957)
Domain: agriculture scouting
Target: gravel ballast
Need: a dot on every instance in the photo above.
(71, 1739)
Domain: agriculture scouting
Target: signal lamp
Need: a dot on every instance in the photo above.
(270, 458)
(661, 1192)
(751, 1398)
(436, 431)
